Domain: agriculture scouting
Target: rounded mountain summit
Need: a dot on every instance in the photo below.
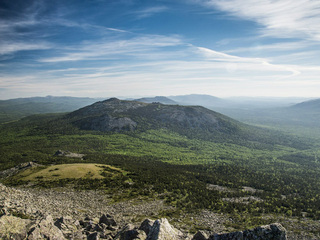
(120, 115)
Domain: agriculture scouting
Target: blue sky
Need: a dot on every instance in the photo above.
(132, 48)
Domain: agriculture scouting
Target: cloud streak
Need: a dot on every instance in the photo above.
(279, 18)
(122, 48)
(148, 12)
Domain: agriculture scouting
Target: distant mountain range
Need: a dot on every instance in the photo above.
(159, 99)
(308, 105)
(14, 109)
(261, 111)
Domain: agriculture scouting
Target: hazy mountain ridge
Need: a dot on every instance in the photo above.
(159, 99)
(14, 109)
(308, 105)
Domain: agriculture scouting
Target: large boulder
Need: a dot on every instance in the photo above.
(13, 227)
(162, 230)
(46, 229)
(70, 228)
(130, 232)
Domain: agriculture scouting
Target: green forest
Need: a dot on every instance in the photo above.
(181, 169)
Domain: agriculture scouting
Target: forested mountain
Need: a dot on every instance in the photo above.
(192, 121)
(189, 157)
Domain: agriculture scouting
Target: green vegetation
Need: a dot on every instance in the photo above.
(65, 171)
(163, 163)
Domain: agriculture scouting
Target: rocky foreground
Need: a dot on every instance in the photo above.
(12, 227)
(25, 216)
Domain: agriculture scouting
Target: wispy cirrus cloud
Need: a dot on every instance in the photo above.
(12, 47)
(278, 18)
(147, 12)
(283, 46)
(116, 49)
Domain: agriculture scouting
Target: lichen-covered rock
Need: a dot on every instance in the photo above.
(46, 229)
(70, 228)
(162, 230)
(13, 227)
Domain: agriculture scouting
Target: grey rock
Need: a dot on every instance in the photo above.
(70, 228)
(61, 153)
(273, 231)
(21, 167)
(200, 235)
(108, 220)
(228, 236)
(13, 227)
(162, 230)
(46, 229)
(128, 232)
(146, 225)
(141, 235)
(93, 236)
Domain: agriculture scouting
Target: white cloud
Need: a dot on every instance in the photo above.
(280, 18)
(283, 46)
(98, 50)
(12, 47)
(147, 12)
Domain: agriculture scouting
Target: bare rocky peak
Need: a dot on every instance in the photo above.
(112, 105)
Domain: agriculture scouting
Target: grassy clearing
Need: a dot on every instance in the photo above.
(73, 171)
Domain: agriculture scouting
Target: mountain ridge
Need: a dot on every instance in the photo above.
(122, 115)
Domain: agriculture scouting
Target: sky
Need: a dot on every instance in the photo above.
(137, 48)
